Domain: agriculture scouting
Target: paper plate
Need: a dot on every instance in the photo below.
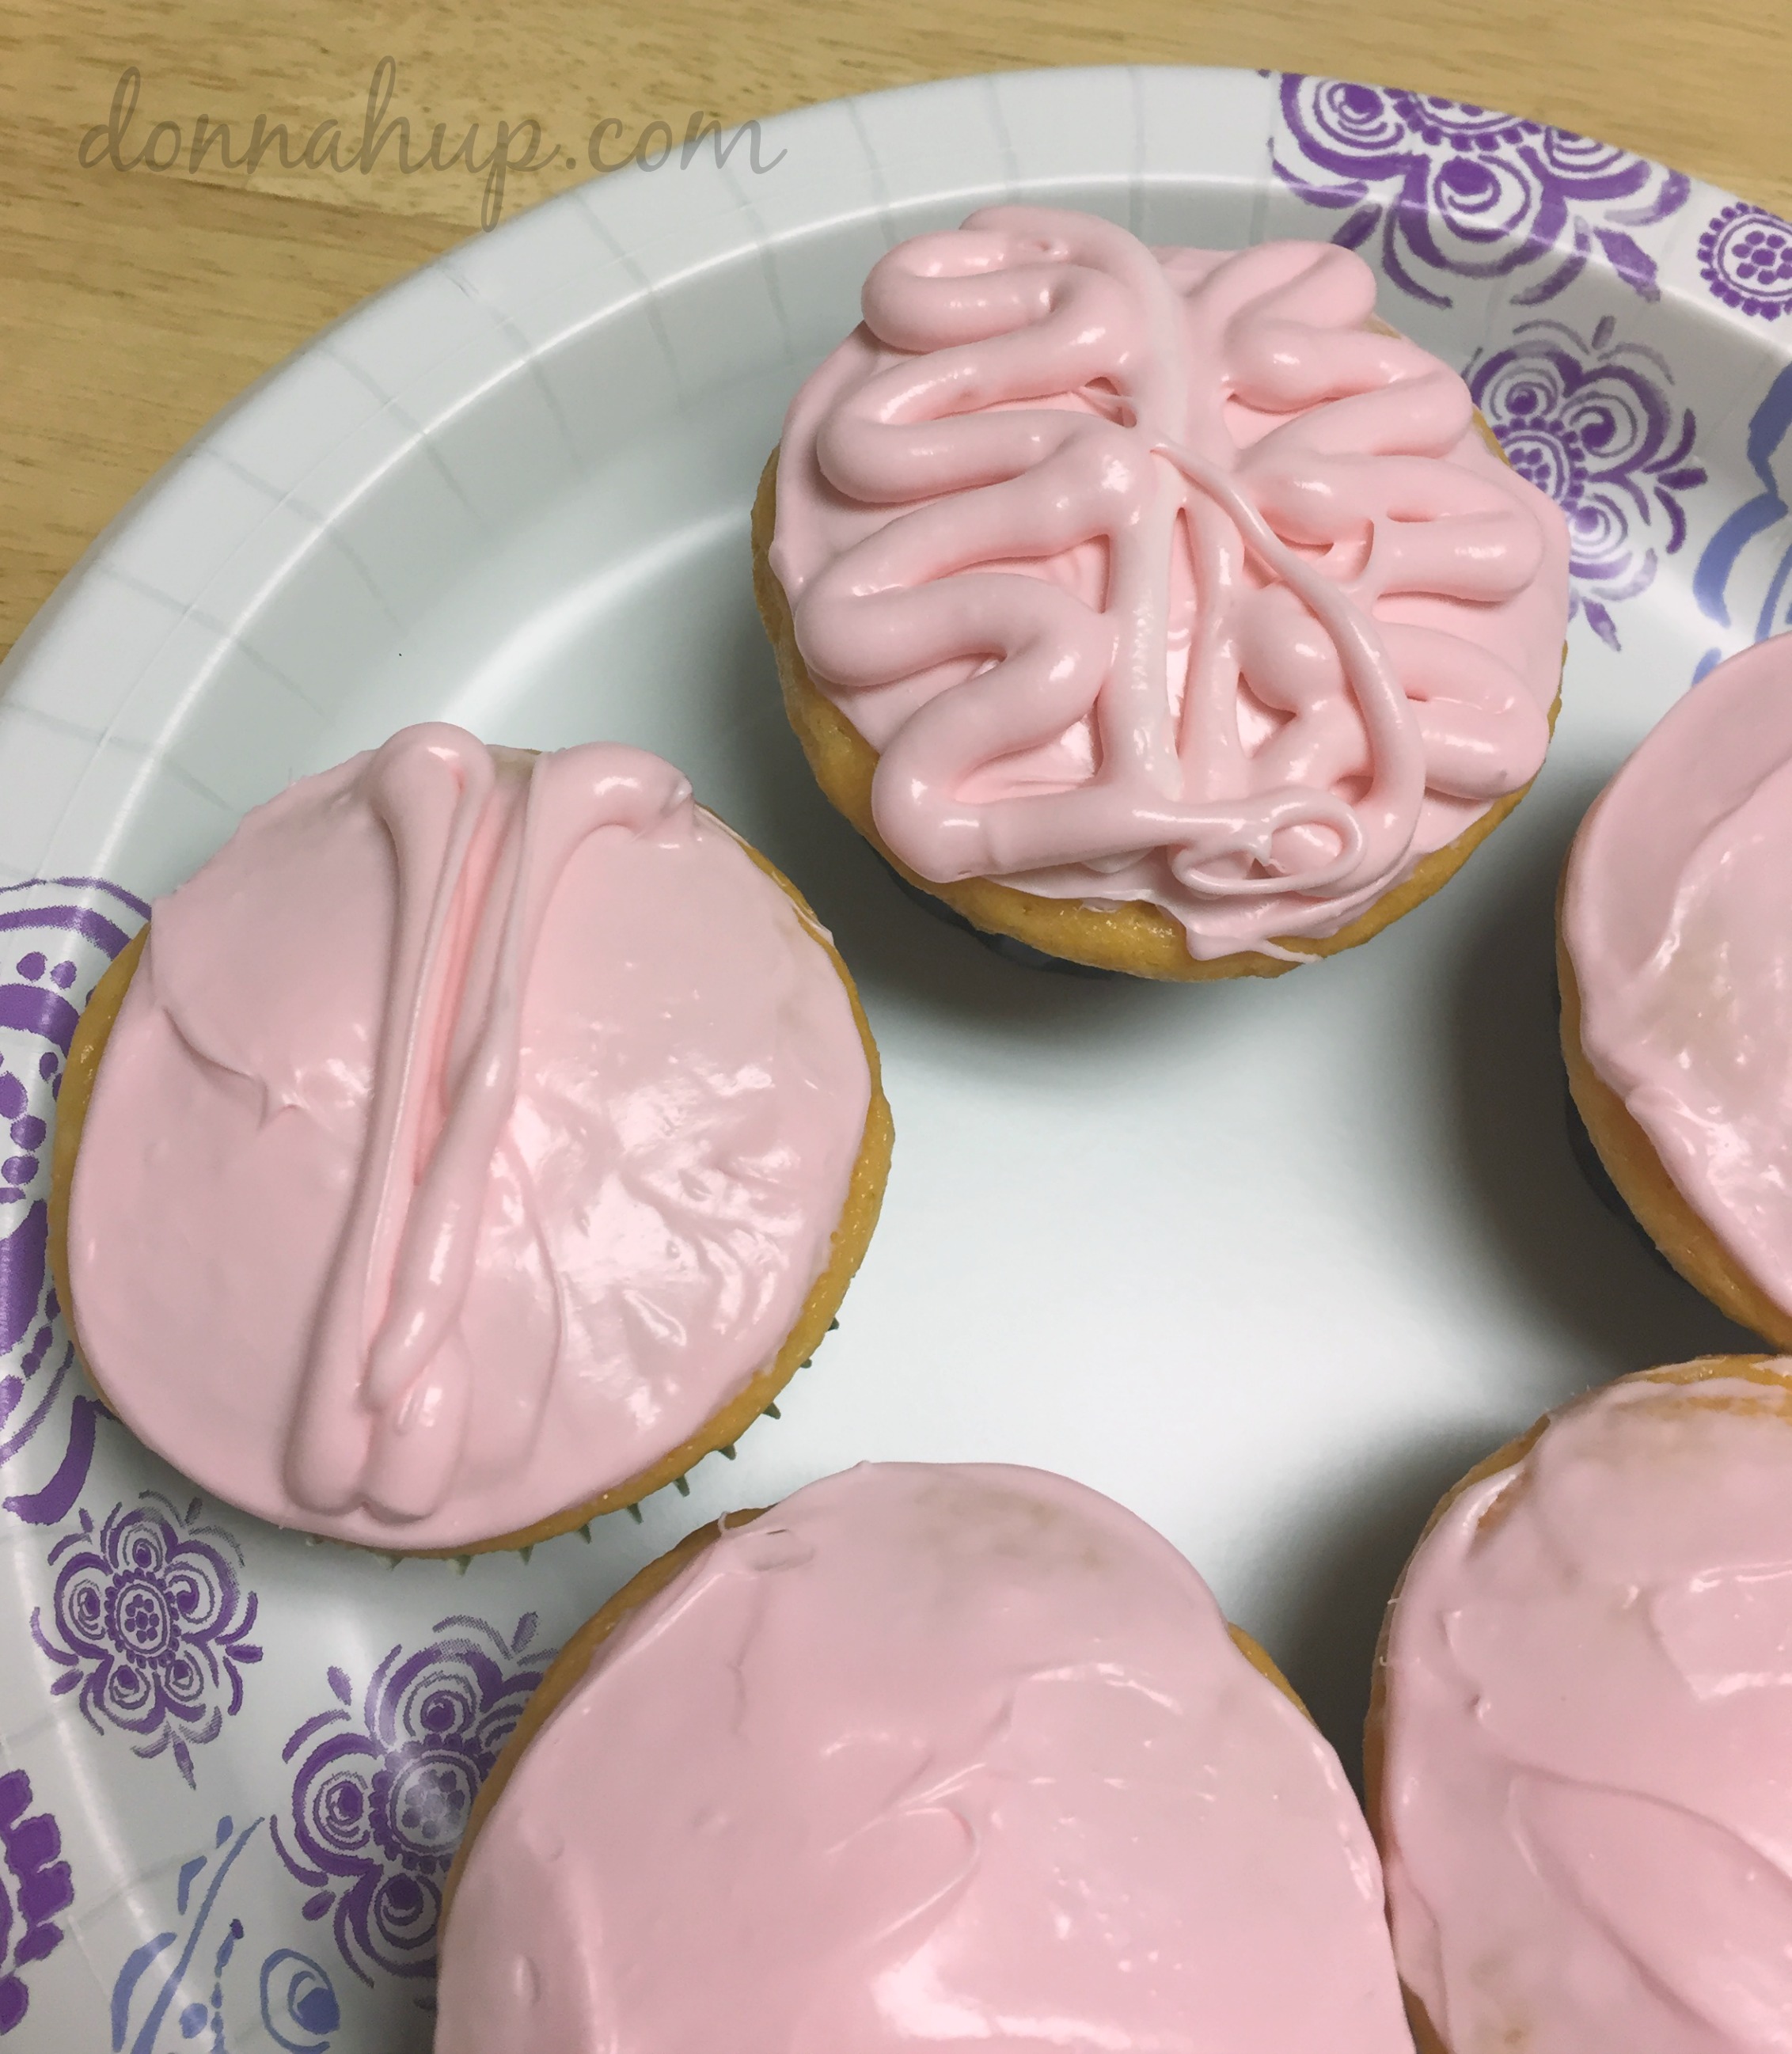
(1271, 1263)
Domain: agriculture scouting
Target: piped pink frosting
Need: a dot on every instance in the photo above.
(1587, 1801)
(474, 1127)
(925, 1756)
(1154, 575)
(1675, 919)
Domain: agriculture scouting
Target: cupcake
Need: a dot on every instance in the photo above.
(1578, 1735)
(928, 1754)
(475, 1142)
(1676, 957)
(1158, 610)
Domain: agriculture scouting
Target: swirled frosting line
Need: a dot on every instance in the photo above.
(927, 1756)
(473, 1127)
(1674, 918)
(1586, 1814)
(1157, 576)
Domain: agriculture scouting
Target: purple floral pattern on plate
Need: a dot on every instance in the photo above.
(299, 2006)
(381, 1794)
(57, 935)
(299, 2010)
(150, 1625)
(1450, 190)
(1745, 256)
(1752, 548)
(1594, 423)
(35, 1889)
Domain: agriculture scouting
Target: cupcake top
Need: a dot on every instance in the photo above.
(1161, 575)
(1675, 918)
(926, 1755)
(1587, 1796)
(473, 1126)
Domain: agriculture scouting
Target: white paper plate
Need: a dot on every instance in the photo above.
(1270, 1262)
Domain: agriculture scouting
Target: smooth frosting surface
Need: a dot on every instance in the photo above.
(1587, 1801)
(1154, 575)
(1675, 919)
(924, 1756)
(474, 1127)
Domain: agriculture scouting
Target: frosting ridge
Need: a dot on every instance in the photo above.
(1152, 575)
(926, 1755)
(474, 1127)
(419, 1213)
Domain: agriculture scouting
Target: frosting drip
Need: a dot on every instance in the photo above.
(1587, 1807)
(1155, 575)
(927, 1756)
(474, 1125)
(1675, 920)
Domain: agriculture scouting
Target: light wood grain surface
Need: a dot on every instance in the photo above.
(137, 301)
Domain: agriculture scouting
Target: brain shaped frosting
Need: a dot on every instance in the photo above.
(1159, 574)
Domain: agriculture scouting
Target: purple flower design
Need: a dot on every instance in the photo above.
(165, 1981)
(1745, 256)
(1744, 574)
(156, 1972)
(35, 1887)
(56, 937)
(151, 1626)
(380, 1800)
(1593, 424)
(1462, 191)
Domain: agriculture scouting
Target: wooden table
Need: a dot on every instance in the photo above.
(137, 300)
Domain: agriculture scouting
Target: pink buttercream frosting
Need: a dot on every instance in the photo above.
(925, 1756)
(1587, 1801)
(1675, 918)
(1157, 575)
(474, 1127)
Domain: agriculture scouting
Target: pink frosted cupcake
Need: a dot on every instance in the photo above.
(926, 1756)
(1676, 957)
(476, 1141)
(1157, 611)
(1578, 1739)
